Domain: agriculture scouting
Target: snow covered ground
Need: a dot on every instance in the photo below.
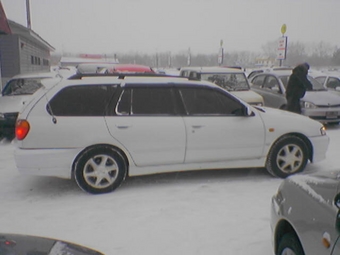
(203, 212)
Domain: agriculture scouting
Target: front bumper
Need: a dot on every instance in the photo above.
(323, 114)
(320, 146)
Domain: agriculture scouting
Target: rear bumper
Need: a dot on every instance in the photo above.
(46, 162)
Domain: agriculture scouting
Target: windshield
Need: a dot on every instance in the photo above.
(229, 81)
(24, 86)
(317, 86)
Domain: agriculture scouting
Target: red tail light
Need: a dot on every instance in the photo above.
(22, 128)
(10, 243)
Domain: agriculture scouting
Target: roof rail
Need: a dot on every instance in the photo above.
(79, 76)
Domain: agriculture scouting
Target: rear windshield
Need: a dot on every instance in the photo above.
(24, 86)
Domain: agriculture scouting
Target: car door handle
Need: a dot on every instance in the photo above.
(123, 126)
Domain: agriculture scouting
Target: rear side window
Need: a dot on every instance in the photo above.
(258, 80)
(199, 101)
(87, 100)
(147, 101)
(26, 86)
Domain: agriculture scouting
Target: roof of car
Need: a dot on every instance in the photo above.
(132, 68)
(212, 69)
(132, 78)
(36, 75)
(277, 72)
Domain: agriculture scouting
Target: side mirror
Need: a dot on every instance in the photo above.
(249, 112)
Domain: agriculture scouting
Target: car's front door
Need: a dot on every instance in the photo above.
(217, 130)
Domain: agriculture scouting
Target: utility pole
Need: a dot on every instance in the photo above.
(28, 13)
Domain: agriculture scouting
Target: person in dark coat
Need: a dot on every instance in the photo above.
(297, 85)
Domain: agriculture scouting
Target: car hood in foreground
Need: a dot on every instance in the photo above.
(325, 98)
(15, 244)
(13, 103)
(322, 186)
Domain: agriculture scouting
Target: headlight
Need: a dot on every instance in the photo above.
(309, 105)
(323, 130)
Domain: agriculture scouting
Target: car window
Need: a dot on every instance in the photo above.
(253, 73)
(333, 83)
(228, 81)
(200, 101)
(24, 86)
(184, 73)
(194, 74)
(258, 80)
(147, 101)
(321, 79)
(271, 83)
(87, 100)
(317, 86)
(284, 79)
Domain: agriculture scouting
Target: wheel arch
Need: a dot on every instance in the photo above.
(283, 227)
(305, 139)
(108, 146)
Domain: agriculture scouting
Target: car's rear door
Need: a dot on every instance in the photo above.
(146, 123)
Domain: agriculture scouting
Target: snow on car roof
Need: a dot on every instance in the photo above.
(213, 69)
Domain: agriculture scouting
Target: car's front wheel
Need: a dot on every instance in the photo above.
(100, 170)
(290, 245)
(288, 155)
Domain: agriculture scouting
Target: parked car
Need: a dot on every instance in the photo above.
(18, 244)
(17, 92)
(90, 68)
(318, 104)
(98, 130)
(330, 81)
(253, 71)
(232, 79)
(305, 215)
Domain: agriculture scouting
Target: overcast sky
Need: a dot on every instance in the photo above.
(149, 26)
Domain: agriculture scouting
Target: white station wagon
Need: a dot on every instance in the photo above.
(98, 130)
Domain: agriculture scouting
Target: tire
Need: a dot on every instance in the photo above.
(100, 170)
(290, 245)
(288, 155)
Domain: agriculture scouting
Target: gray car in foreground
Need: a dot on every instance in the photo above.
(305, 216)
(318, 104)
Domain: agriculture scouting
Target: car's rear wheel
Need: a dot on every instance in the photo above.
(100, 170)
(288, 155)
(290, 245)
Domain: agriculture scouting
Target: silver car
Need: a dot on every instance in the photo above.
(330, 81)
(305, 216)
(318, 104)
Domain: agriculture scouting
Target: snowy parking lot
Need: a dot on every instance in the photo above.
(203, 212)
